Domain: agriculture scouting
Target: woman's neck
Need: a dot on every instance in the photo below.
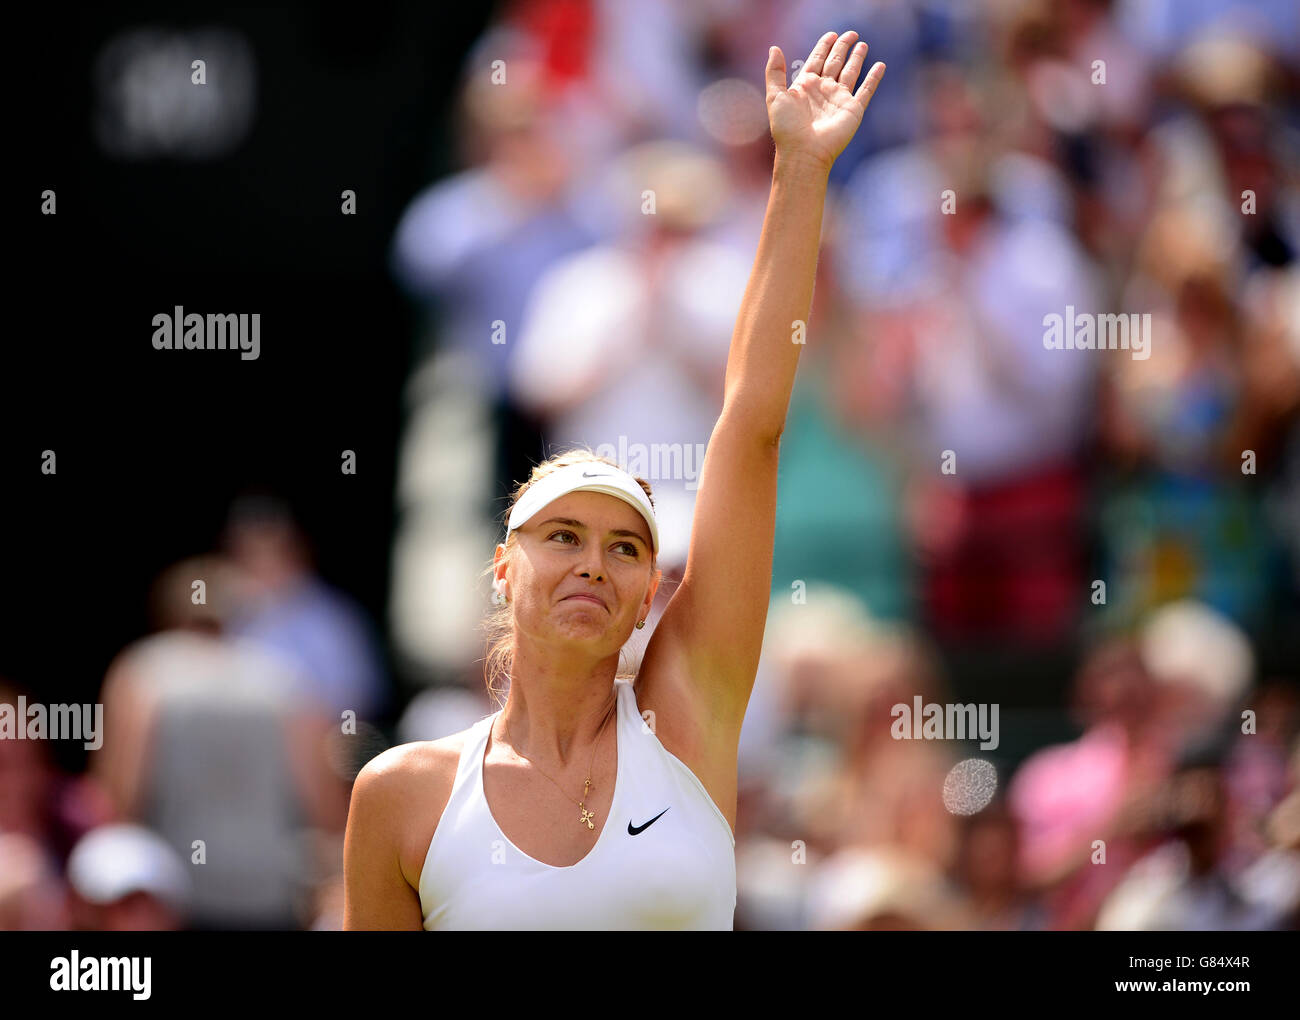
(557, 726)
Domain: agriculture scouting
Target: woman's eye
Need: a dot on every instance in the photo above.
(629, 547)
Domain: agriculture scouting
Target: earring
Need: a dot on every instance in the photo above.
(640, 624)
(498, 596)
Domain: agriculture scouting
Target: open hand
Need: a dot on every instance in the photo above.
(819, 113)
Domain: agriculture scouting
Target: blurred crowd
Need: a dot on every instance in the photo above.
(951, 489)
(219, 795)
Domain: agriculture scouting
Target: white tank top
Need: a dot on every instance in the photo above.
(666, 857)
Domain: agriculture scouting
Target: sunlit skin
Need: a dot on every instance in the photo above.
(568, 646)
(816, 115)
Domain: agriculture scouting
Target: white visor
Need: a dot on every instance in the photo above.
(589, 476)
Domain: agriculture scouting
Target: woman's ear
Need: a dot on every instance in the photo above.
(654, 587)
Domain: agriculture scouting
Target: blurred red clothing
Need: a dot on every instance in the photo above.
(1012, 568)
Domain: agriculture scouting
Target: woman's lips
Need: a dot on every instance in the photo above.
(588, 598)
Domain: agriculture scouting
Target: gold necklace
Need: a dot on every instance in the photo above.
(587, 816)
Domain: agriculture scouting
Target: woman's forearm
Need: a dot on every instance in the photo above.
(772, 321)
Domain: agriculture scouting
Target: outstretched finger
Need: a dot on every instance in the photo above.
(839, 53)
(775, 71)
(869, 83)
(849, 76)
(817, 58)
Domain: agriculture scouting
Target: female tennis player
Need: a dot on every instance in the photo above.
(588, 801)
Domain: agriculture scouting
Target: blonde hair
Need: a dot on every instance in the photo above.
(498, 624)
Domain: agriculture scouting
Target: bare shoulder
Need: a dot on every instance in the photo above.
(417, 759)
(406, 788)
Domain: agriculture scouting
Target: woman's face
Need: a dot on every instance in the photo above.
(582, 543)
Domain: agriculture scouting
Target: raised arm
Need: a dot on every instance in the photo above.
(712, 630)
(811, 121)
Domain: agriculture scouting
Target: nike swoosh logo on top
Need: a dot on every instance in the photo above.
(632, 830)
(597, 475)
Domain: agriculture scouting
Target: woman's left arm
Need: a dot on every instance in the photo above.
(712, 629)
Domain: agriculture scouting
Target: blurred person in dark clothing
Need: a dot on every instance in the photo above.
(215, 739)
(1229, 147)
(987, 872)
(287, 608)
